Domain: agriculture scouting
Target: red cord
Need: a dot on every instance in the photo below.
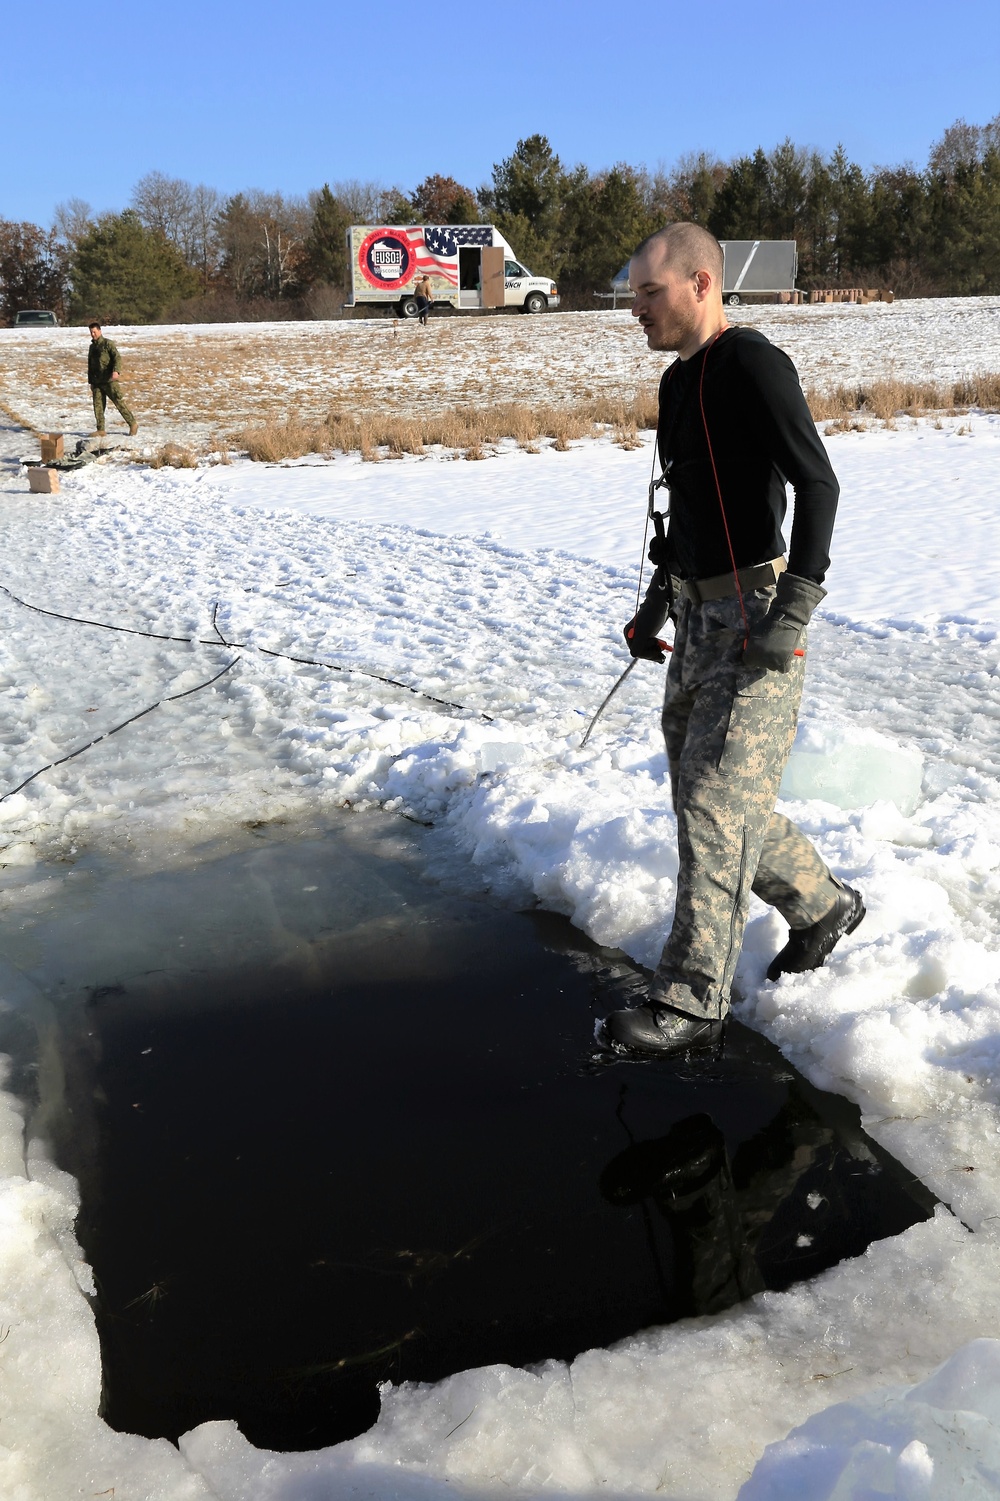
(718, 491)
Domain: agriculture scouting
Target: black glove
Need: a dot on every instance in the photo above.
(773, 640)
(640, 633)
(658, 553)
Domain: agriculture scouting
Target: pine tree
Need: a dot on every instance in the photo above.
(785, 202)
(741, 204)
(604, 219)
(326, 245)
(529, 187)
(125, 273)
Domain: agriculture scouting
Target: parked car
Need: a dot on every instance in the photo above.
(35, 318)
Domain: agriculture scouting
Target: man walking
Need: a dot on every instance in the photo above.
(422, 291)
(103, 373)
(733, 428)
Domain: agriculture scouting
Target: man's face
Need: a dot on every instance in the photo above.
(95, 333)
(666, 303)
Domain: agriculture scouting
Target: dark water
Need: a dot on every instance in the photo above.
(336, 1125)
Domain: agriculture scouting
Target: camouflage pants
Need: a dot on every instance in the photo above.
(729, 730)
(109, 391)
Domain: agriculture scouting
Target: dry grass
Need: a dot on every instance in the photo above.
(850, 408)
(472, 432)
(270, 442)
(982, 391)
(18, 420)
(469, 430)
(174, 456)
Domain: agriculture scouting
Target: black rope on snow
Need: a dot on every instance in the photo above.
(78, 620)
(168, 699)
(376, 677)
(248, 646)
(215, 628)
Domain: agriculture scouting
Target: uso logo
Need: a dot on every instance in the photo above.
(385, 259)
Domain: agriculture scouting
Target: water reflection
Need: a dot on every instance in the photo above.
(795, 1197)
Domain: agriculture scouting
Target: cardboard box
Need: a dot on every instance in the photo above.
(42, 481)
(52, 447)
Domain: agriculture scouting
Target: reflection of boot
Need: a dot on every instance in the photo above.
(686, 1174)
(688, 1157)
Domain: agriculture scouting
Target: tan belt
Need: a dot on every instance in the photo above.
(722, 585)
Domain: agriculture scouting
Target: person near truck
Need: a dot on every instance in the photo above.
(422, 292)
(103, 375)
(733, 428)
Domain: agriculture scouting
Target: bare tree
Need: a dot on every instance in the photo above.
(991, 135)
(204, 252)
(164, 206)
(185, 215)
(367, 202)
(72, 220)
(686, 191)
(361, 200)
(263, 239)
(964, 145)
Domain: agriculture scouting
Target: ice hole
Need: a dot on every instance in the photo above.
(350, 1130)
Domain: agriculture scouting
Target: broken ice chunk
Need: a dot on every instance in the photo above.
(853, 768)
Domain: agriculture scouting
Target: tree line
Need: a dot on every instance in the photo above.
(184, 252)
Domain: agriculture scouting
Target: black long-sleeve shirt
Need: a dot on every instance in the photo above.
(762, 437)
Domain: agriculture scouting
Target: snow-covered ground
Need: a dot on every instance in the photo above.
(502, 587)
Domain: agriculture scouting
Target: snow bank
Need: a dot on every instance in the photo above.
(905, 1019)
(933, 1442)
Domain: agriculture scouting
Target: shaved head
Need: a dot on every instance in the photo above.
(686, 249)
(676, 276)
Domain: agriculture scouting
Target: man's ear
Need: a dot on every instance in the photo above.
(703, 284)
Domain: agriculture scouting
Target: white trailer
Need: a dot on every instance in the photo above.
(750, 267)
(470, 266)
(758, 266)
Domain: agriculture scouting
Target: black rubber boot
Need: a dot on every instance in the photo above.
(807, 948)
(658, 1029)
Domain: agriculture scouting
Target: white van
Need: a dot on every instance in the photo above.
(469, 265)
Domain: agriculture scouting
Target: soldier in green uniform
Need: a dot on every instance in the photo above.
(103, 373)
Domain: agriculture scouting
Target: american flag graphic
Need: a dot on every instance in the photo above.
(429, 242)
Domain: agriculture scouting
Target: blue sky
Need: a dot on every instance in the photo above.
(289, 96)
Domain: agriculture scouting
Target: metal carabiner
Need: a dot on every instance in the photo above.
(654, 485)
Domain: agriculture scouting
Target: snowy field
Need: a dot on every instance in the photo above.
(502, 587)
(201, 383)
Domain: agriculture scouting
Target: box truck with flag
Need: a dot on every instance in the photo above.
(470, 266)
